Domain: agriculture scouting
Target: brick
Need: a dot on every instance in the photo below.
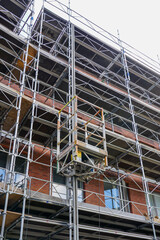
(137, 198)
(94, 198)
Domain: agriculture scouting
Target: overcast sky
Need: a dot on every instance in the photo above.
(136, 20)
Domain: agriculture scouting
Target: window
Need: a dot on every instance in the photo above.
(111, 193)
(113, 198)
(2, 175)
(57, 178)
(3, 159)
(3, 162)
(59, 186)
(80, 191)
(20, 165)
(19, 170)
(155, 203)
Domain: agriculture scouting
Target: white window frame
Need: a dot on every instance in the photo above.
(59, 190)
(154, 207)
(123, 196)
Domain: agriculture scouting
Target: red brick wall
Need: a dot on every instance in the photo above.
(90, 189)
(135, 195)
(41, 172)
(37, 170)
(138, 197)
(97, 187)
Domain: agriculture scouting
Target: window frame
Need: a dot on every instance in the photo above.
(62, 185)
(18, 175)
(155, 208)
(122, 196)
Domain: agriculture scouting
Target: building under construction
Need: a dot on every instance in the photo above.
(80, 129)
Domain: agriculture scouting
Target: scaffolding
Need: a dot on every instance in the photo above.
(79, 104)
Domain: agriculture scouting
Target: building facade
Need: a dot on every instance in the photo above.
(79, 137)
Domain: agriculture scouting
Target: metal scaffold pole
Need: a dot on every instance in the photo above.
(51, 169)
(135, 130)
(72, 183)
(106, 140)
(69, 65)
(69, 198)
(74, 138)
(10, 174)
(31, 124)
(69, 179)
(75, 210)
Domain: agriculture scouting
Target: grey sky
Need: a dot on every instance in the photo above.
(136, 20)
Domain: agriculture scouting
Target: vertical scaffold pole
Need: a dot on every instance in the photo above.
(51, 168)
(75, 210)
(135, 130)
(74, 137)
(31, 125)
(69, 67)
(69, 180)
(10, 177)
(104, 137)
